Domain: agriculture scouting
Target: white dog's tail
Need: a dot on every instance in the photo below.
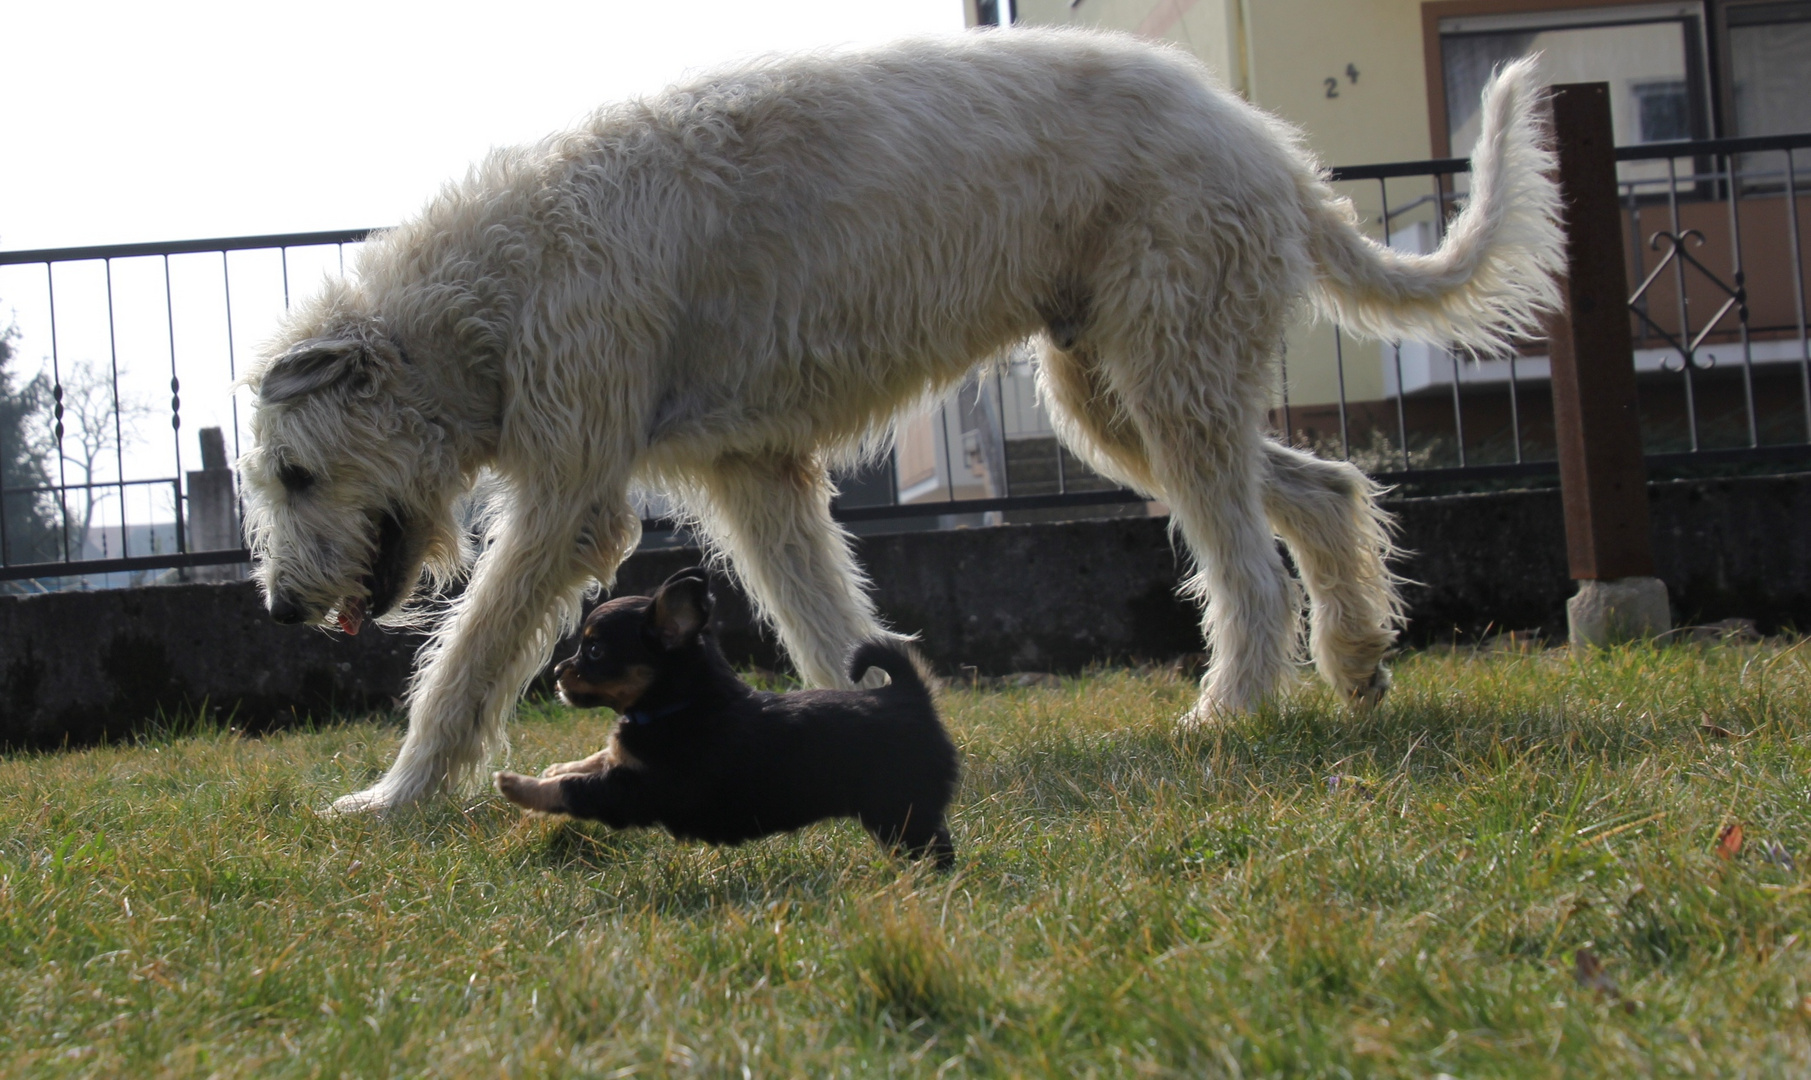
(1493, 275)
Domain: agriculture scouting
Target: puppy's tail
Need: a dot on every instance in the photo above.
(904, 668)
(1494, 274)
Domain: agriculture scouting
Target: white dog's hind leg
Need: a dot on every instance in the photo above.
(771, 515)
(1328, 515)
(1089, 418)
(1206, 476)
(522, 595)
(1249, 598)
(1203, 446)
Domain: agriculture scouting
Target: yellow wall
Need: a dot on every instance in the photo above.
(1211, 29)
(1279, 54)
(1296, 45)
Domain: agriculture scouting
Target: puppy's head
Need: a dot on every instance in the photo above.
(628, 643)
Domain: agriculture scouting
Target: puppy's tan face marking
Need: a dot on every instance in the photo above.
(619, 692)
(614, 664)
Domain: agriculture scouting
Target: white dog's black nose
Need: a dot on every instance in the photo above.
(284, 609)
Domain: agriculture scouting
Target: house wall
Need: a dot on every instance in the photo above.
(1362, 79)
(1280, 54)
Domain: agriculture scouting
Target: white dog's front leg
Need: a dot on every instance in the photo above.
(771, 516)
(522, 595)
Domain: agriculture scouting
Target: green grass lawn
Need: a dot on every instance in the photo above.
(1302, 892)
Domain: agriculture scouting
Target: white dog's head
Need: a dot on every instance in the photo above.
(351, 480)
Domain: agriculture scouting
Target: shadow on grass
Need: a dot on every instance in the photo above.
(646, 869)
(1542, 709)
(204, 722)
(572, 847)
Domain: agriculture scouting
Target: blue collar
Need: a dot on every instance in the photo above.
(644, 716)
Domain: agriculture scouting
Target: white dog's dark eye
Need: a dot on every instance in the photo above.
(594, 650)
(294, 477)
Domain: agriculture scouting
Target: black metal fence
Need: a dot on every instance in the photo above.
(181, 305)
(1715, 233)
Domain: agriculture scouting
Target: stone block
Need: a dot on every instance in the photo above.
(1627, 609)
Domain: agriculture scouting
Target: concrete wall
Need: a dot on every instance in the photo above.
(75, 667)
(1725, 548)
(80, 666)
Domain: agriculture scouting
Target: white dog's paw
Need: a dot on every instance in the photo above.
(1217, 707)
(369, 801)
(1368, 694)
(1206, 715)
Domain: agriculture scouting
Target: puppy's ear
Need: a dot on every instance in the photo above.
(681, 609)
(313, 365)
(690, 573)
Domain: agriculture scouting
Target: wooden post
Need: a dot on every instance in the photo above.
(1603, 478)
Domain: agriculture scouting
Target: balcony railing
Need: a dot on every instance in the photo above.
(1715, 232)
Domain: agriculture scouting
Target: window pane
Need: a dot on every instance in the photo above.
(1770, 67)
(1644, 63)
(1664, 110)
(1469, 60)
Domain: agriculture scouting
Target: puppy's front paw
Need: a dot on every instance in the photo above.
(596, 763)
(531, 793)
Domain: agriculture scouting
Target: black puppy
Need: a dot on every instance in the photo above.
(710, 758)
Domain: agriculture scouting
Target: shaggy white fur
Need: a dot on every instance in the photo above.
(723, 289)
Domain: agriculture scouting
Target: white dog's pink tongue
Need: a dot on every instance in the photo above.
(352, 616)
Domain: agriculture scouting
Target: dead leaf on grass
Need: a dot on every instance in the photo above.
(1729, 841)
(1372, 1040)
(1589, 972)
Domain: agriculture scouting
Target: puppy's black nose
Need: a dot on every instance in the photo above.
(284, 609)
(560, 669)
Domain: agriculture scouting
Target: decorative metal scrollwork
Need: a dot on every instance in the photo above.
(1685, 343)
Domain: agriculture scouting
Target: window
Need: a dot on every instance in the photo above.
(996, 13)
(1652, 55)
(1663, 110)
(1692, 69)
(1767, 85)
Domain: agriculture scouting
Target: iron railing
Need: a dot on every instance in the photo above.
(1716, 262)
(1717, 317)
(71, 560)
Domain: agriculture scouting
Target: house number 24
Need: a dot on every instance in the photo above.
(1332, 81)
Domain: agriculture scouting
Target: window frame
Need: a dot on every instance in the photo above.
(1704, 73)
(1724, 75)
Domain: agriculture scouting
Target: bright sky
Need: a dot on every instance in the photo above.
(126, 122)
(139, 121)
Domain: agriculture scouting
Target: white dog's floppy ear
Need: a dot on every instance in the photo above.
(309, 366)
(682, 607)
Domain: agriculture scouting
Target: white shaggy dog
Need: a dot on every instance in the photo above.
(722, 289)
